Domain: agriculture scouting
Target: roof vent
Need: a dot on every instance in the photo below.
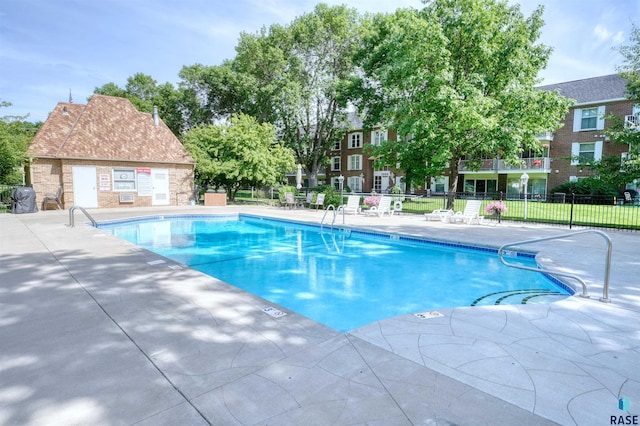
(156, 120)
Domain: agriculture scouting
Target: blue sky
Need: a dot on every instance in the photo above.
(50, 46)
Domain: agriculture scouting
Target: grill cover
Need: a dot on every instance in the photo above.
(24, 200)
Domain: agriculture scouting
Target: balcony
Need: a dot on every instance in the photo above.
(546, 136)
(534, 164)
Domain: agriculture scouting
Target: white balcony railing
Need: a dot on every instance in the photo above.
(542, 164)
(546, 136)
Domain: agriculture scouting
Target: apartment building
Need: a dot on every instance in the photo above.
(564, 152)
(350, 161)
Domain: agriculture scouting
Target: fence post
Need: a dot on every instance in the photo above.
(573, 201)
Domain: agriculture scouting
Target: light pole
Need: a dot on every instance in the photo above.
(524, 179)
(341, 185)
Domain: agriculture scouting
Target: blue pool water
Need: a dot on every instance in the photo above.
(344, 278)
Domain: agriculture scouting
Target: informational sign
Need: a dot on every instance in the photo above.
(105, 181)
(145, 186)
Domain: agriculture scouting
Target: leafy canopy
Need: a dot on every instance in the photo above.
(238, 153)
(290, 76)
(15, 136)
(456, 80)
(620, 132)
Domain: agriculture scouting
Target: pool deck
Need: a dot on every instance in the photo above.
(94, 330)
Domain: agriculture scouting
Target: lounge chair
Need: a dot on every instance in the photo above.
(439, 214)
(53, 198)
(319, 201)
(352, 206)
(290, 200)
(470, 214)
(384, 206)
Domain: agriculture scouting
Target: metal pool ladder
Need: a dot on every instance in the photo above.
(585, 293)
(86, 213)
(335, 213)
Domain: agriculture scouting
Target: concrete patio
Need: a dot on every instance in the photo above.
(95, 331)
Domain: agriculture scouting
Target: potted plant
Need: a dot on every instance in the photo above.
(371, 201)
(496, 208)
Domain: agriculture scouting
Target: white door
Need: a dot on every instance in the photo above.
(160, 182)
(84, 186)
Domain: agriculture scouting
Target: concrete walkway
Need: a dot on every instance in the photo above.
(94, 330)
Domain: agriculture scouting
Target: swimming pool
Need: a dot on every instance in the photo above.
(343, 278)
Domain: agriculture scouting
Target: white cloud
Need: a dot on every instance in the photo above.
(601, 32)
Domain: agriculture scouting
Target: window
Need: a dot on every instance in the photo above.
(480, 186)
(378, 136)
(335, 183)
(335, 164)
(355, 140)
(585, 153)
(354, 162)
(588, 118)
(440, 184)
(377, 183)
(337, 146)
(355, 183)
(124, 179)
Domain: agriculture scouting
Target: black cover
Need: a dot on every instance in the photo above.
(24, 200)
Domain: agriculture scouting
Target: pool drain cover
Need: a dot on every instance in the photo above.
(270, 310)
(427, 315)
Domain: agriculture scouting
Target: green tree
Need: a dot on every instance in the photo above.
(457, 80)
(621, 132)
(239, 153)
(15, 136)
(290, 76)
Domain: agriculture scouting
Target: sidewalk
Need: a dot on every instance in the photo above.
(92, 333)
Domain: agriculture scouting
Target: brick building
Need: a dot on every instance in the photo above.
(108, 154)
(579, 140)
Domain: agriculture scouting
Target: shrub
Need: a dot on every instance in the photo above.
(588, 186)
(284, 189)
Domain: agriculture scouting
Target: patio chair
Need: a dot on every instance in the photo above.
(319, 201)
(289, 200)
(384, 206)
(470, 214)
(309, 199)
(439, 214)
(53, 198)
(352, 206)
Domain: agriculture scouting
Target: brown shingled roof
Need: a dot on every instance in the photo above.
(107, 128)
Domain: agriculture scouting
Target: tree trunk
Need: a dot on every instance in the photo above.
(312, 176)
(453, 185)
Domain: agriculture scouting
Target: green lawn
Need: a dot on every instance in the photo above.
(543, 212)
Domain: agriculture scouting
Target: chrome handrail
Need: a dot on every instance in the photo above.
(329, 207)
(86, 213)
(607, 271)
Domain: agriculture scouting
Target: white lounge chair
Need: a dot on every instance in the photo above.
(470, 214)
(384, 206)
(439, 214)
(352, 206)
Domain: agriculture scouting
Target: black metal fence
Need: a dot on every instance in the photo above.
(5, 198)
(561, 209)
